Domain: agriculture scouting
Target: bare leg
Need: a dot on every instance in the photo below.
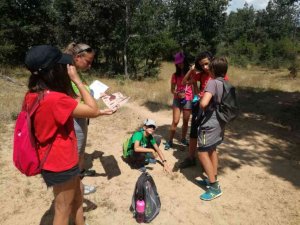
(81, 161)
(176, 118)
(192, 147)
(207, 165)
(185, 117)
(213, 155)
(65, 194)
(77, 210)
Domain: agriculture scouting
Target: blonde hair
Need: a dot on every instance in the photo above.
(78, 49)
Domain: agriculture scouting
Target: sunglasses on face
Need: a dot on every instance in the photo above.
(151, 126)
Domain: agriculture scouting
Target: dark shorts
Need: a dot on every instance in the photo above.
(177, 104)
(209, 148)
(53, 178)
(137, 159)
(194, 125)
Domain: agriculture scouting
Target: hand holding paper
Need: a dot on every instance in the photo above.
(112, 101)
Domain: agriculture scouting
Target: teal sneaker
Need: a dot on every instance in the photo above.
(168, 145)
(204, 183)
(150, 160)
(184, 142)
(211, 193)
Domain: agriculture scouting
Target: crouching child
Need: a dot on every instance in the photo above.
(144, 147)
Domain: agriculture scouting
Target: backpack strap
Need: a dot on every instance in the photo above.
(220, 97)
(139, 191)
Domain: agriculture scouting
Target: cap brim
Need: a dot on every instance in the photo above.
(66, 59)
(150, 125)
(179, 61)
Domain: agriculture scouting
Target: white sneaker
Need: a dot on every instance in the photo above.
(87, 189)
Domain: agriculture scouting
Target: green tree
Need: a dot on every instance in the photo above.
(151, 38)
(24, 23)
(197, 24)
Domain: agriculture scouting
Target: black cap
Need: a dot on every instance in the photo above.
(43, 57)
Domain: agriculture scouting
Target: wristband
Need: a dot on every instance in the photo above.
(164, 161)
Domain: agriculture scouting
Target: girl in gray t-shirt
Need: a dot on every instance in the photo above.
(211, 130)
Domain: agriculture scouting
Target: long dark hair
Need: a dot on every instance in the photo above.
(186, 67)
(54, 79)
(202, 55)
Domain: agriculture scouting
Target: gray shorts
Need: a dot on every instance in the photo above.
(210, 134)
(177, 104)
(81, 128)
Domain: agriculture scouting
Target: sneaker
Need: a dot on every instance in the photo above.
(204, 183)
(184, 142)
(142, 169)
(85, 173)
(211, 193)
(168, 145)
(87, 189)
(187, 163)
(150, 160)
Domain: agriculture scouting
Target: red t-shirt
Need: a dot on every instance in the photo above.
(203, 78)
(177, 80)
(53, 118)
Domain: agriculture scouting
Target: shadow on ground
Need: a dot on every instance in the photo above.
(109, 163)
(269, 121)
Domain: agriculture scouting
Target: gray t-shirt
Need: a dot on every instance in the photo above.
(211, 132)
(215, 87)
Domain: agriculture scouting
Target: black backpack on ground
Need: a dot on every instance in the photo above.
(145, 189)
(228, 108)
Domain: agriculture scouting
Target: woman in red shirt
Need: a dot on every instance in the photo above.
(51, 75)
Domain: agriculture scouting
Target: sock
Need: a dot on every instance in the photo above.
(215, 185)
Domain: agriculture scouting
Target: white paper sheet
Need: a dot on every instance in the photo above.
(98, 89)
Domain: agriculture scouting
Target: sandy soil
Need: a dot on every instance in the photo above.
(259, 176)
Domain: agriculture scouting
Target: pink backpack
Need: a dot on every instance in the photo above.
(25, 155)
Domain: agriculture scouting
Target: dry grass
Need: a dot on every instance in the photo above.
(262, 78)
(12, 88)
(262, 91)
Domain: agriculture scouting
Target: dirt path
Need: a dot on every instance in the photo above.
(259, 175)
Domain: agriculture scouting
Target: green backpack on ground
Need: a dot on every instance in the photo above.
(127, 151)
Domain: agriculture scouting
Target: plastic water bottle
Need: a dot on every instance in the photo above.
(140, 209)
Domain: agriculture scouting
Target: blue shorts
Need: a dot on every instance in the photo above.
(177, 104)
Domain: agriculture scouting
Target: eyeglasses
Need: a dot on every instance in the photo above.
(151, 126)
(89, 50)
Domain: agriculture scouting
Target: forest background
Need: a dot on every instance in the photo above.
(260, 157)
(133, 37)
